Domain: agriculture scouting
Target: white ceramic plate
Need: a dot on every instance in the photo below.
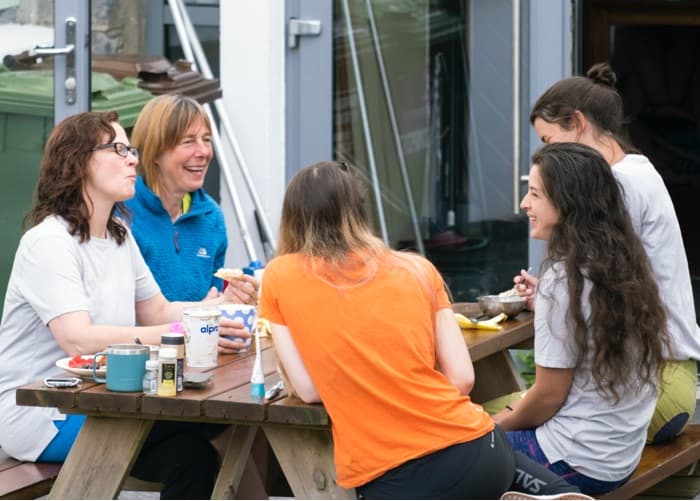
(63, 364)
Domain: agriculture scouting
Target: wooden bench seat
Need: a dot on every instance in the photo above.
(20, 480)
(24, 480)
(660, 462)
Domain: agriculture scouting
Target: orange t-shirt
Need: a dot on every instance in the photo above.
(369, 348)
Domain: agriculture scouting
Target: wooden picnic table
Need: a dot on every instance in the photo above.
(299, 434)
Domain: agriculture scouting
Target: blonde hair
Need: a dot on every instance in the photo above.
(162, 123)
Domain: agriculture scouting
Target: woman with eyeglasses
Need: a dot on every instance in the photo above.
(79, 284)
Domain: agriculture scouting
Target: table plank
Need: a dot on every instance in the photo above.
(99, 399)
(38, 395)
(237, 404)
(292, 410)
(483, 343)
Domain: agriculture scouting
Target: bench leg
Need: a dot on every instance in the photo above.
(234, 462)
(100, 458)
(306, 458)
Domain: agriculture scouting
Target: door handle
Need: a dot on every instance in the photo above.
(302, 27)
(50, 50)
(70, 83)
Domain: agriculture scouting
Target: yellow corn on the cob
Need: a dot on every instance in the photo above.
(490, 324)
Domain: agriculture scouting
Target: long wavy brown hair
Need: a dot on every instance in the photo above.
(63, 174)
(594, 95)
(594, 240)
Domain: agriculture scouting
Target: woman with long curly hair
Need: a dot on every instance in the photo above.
(600, 326)
(588, 110)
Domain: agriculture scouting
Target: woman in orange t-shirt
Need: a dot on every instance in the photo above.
(370, 333)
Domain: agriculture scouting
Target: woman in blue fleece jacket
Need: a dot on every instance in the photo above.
(179, 228)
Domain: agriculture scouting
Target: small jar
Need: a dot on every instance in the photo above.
(150, 378)
(167, 372)
(176, 341)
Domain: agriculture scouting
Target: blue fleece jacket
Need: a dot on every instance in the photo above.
(184, 255)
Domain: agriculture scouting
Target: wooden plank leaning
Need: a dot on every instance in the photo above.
(101, 458)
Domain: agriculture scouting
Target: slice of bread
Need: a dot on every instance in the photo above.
(229, 274)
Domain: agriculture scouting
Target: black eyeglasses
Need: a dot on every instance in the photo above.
(119, 148)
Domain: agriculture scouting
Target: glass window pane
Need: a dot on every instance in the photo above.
(460, 179)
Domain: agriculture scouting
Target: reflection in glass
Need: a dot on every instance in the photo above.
(423, 48)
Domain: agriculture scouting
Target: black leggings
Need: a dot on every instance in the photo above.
(181, 456)
(480, 469)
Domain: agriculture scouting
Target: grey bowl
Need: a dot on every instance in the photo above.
(490, 305)
(512, 305)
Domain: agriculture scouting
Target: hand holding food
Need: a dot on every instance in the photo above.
(525, 286)
(243, 290)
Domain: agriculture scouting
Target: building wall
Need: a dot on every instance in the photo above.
(550, 49)
(252, 78)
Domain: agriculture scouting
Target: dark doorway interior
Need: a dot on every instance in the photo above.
(654, 48)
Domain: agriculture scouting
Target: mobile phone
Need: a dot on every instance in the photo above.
(62, 382)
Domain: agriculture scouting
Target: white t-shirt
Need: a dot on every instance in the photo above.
(53, 274)
(654, 218)
(595, 437)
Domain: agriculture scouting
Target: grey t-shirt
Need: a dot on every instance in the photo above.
(593, 436)
(654, 218)
(53, 274)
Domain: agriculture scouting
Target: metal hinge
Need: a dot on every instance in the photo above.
(302, 27)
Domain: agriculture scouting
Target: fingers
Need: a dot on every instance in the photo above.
(233, 336)
(243, 290)
(212, 294)
(525, 286)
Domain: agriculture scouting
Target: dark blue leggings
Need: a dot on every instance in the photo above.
(480, 469)
(525, 441)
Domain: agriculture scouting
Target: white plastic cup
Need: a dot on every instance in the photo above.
(244, 312)
(201, 336)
